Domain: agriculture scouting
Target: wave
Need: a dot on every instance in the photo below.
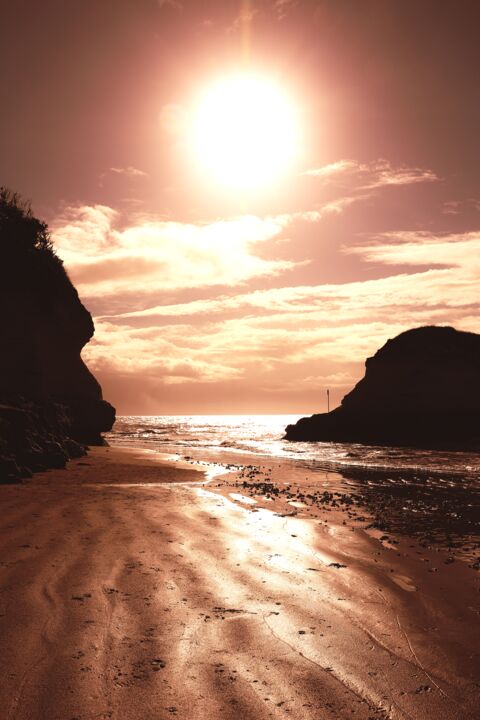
(262, 436)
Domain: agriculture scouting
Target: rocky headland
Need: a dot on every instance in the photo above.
(51, 405)
(421, 389)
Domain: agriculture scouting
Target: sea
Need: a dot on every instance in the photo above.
(205, 437)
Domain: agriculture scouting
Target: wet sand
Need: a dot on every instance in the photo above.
(131, 591)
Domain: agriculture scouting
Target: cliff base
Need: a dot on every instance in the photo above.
(421, 389)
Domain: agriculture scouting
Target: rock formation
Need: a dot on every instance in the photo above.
(50, 403)
(420, 389)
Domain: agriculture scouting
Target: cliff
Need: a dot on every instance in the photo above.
(420, 389)
(50, 403)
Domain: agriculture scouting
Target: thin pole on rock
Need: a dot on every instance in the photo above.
(328, 400)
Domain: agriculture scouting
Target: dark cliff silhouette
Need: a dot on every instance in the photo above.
(50, 403)
(420, 389)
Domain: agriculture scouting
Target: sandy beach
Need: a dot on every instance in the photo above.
(132, 590)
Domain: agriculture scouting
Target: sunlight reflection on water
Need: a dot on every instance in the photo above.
(209, 437)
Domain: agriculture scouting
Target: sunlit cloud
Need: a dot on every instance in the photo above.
(131, 351)
(84, 231)
(213, 305)
(103, 257)
(456, 282)
(107, 255)
(270, 336)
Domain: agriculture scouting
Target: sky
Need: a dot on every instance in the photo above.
(214, 298)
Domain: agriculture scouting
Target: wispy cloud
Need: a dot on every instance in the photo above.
(383, 175)
(370, 176)
(284, 7)
(422, 248)
(457, 207)
(129, 174)
(321, 211)
(128, 171)
(335, 168)
(175, 4)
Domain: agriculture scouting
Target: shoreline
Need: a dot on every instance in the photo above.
(136, 589)
(395, 502)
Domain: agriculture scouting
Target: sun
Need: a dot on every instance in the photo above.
(245, 132)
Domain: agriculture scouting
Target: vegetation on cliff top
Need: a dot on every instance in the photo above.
(27, 256)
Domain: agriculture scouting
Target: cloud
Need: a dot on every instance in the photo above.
(335, 168)
(105, 258)
(383, 175)
(423, 248)
(126, 174)
(84, 231)
(331, 207)
(316, 336)
(128, 171)
(107, 254)
(244, 19)
(175, 4)
(370, 176)
(143, 351)
(216, 305)
(337, 206)
(457, 207)
(283, 7)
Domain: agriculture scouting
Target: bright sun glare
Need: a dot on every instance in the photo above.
(245, 132)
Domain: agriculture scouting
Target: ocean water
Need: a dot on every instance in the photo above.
(250, 437)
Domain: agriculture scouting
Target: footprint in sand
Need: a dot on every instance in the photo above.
(404, 582)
